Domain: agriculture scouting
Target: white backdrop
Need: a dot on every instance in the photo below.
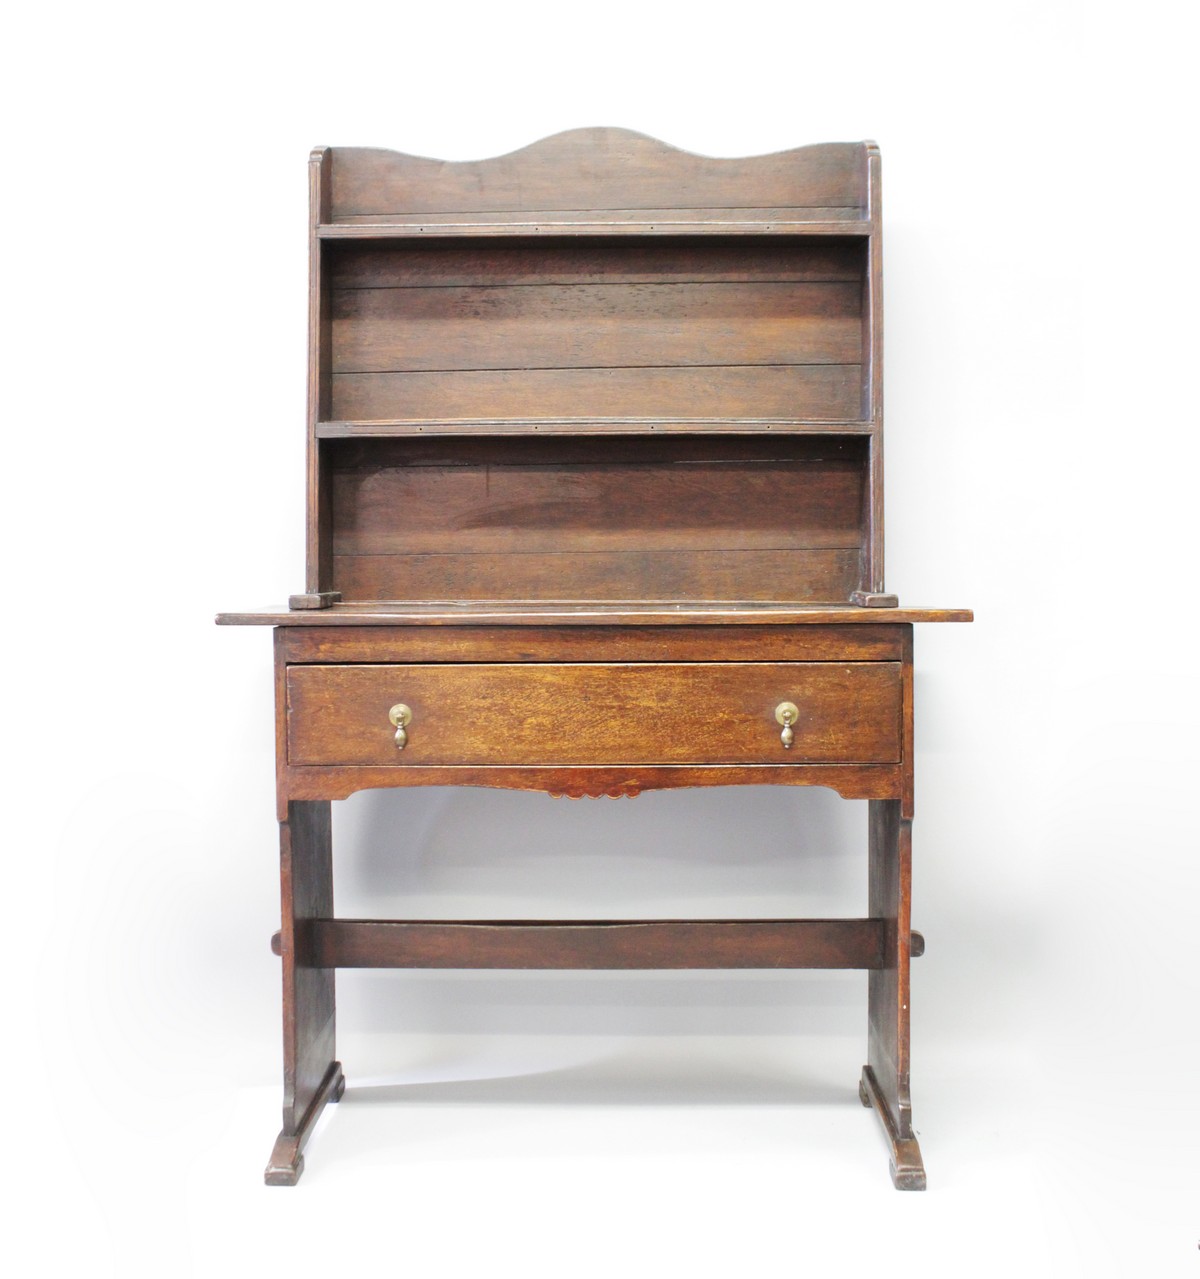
(1040, 284)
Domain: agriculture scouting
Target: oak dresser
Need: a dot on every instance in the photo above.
(595, 506)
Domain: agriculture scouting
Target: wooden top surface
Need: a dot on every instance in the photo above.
(573, 613)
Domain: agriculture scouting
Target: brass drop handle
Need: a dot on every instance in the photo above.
(401, 716)
(787, 713)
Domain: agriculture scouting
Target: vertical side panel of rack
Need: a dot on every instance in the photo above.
(873, 383)
(318, 547)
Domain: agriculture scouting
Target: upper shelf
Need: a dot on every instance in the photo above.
(595, 222)
(589, 426)
(595, 182)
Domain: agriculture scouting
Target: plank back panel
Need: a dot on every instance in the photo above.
(399, 264)
(816, 392)
(595, 326)
(802, 575)
(670, 518)
(595, 169)
(597, 329)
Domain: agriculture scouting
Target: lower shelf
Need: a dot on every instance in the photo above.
(593, 944)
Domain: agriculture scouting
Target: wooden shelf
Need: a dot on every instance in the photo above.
(585, 613)
(591, 222)
(587, 426)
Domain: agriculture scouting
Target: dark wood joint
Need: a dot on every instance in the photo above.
(316, 599)
(874, 599)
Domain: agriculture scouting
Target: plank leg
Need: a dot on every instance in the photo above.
(311, 1076)
(885, 1078)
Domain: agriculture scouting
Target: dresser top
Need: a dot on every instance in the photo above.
(555, 613)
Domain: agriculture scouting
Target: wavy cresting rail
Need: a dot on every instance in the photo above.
(586, 181)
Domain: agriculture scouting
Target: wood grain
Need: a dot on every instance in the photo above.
(409, 644)
(781, 496)
(336, 781)
(702, 573)
(742, 518)
(595, 326)
(829, 392)
(621, 713)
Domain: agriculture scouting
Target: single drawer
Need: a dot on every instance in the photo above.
(595, 713)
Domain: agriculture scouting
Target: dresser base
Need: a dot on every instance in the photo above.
(520, 710)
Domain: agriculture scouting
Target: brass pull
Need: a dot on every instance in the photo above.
(401, 716)
(787, 713)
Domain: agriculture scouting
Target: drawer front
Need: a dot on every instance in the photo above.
(594, 713)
